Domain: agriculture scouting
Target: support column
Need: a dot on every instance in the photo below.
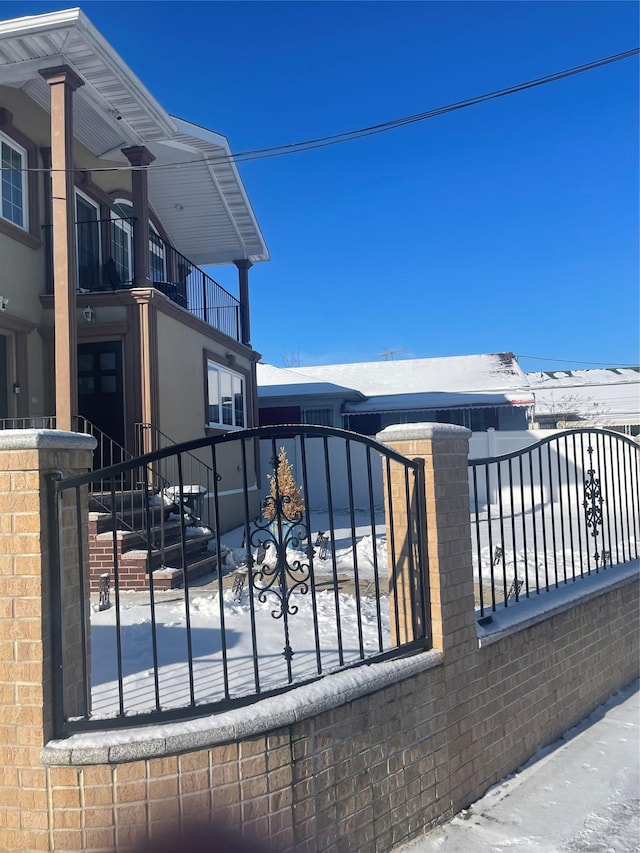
(243, 289)
(26, 667)
(141, 157)
(445, 450)
(63, 81)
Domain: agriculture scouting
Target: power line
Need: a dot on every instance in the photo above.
(575, 361)
(360, 133)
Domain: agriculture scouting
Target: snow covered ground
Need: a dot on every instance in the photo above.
(236, 641)
(579, 795)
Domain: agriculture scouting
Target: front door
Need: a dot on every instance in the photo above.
(101, 397)
(4, 385)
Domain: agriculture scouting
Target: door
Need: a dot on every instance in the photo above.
(4, 385)
(101, 397)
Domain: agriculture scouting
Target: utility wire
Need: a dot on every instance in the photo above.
(575, 361)
(360, 133)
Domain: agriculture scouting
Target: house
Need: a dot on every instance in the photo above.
(476, 391)
(109, 209)
(605, 397)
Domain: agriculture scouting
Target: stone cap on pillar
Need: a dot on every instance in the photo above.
(45, 439)
(416, 432)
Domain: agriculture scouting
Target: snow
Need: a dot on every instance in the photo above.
(225, 630)
(498, 372)
(579, 795)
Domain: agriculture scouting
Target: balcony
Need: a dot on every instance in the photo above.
(106, 262)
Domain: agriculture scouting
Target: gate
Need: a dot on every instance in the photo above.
(301, 586)
(561, 509)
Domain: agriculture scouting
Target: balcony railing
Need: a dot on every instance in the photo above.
(106, 262)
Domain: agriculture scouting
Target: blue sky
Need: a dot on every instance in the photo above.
(512, 225)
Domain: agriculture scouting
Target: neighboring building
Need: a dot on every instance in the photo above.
(159, 342)
(476, 391)
(605, 397)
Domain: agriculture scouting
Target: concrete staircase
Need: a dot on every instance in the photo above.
(167, 551)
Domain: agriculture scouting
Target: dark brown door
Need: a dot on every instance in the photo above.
(101, 398)
(4, 385)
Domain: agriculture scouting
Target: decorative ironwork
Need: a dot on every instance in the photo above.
(103, 592)
(593, 502)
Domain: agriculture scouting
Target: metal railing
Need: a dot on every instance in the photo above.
(303, 586)
(196, 291)
(105, 262)
(197, 476)
(551, 513)
(32, 422)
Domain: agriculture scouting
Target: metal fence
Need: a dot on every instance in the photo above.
(301, 587)
(551, 513)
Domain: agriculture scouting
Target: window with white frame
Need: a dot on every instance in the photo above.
(226, 397)
(13, 188)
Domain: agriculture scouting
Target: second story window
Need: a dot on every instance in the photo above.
(13, 190)
(122, 239)
(157, 269)
(87, 243)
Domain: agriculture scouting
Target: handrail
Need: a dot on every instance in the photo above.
(85, 426)
(198, 473)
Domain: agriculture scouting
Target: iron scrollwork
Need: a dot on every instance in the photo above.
(283, 563)
(593, 502)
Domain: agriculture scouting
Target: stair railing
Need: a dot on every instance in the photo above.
(109, 452)
(195, 472)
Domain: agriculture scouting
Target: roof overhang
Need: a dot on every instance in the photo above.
(194, 187)
(436, 400)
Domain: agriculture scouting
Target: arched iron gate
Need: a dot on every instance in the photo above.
(324, 570)
(544, 516)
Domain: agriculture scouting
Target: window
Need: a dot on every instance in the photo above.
(157, 270)
(226, 392)
(87, 243)
(318, 417)
(122, 239)
(13, 194)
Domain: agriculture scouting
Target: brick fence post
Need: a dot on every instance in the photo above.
(445, 451)
(26, 707)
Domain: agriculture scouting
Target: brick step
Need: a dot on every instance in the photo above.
(134, 519)
(135, 576)
(125, 501)
(171, 579)
(170, 556)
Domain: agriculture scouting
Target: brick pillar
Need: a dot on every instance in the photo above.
(445, 450)
(26, 676)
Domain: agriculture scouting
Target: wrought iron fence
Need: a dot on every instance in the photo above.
(300, 587)
(551, 513)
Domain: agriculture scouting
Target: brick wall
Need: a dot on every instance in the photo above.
(363, 774)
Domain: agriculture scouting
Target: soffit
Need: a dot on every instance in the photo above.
(114, 110)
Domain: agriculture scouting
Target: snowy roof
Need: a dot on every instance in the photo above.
(203, 207)
(603, 394)
(492, 372)
(285, 382)
(420, 383)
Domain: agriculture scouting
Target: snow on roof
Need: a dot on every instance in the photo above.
(603, 394)
(287, 382)
(492, 372)
(575, 378)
